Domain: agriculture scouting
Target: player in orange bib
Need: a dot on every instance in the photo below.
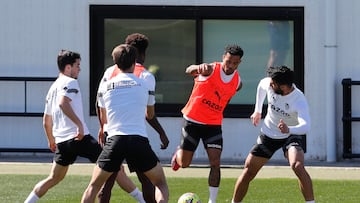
(215, 84)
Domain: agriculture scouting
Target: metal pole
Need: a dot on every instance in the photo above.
(330, 84)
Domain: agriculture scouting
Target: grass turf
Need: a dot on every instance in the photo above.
(15, 188)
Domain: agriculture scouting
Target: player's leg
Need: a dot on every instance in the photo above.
(108, 163)
(213, 143)
(214, 174)
(261, 152)
(148, 189)
(295, 156)
(143, 159)
(124, 181)
(57, 174)
(128, 185)
(189, 142)
(157, 177)
(252, 166)
(99, 177)
(89, 148)
(105, 192)
(65, 154)
(182, 158)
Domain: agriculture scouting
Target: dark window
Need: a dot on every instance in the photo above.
(184, 35)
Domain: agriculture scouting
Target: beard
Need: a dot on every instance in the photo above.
(279, 91)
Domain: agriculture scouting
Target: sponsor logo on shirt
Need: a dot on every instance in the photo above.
(279, 110)
(122, 84)
(212, 105)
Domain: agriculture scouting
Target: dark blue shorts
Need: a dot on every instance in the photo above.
(134, 148)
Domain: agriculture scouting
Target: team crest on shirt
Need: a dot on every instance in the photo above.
(273, 98)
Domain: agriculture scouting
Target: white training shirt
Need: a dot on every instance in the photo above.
(292, 108)
(125, 98)
(145, 75)
(63, 128)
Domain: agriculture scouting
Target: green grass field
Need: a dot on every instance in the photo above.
(15, 188)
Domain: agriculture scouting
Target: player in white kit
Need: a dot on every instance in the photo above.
(63, 120)
(286, 120)
(126, 99)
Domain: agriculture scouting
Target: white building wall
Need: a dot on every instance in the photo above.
(32, 33)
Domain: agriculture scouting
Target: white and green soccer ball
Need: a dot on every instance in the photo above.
(189, 197)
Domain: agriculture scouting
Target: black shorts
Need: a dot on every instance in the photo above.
(67, 151)
(134, 148)
(266, 146)
(131, 168)
(211, 136)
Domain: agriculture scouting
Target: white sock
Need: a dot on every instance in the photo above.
(312, 201)
(232, 201)
(32, 198)
(137, 194)
(213, 191)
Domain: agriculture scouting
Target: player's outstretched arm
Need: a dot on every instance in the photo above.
(154, 123)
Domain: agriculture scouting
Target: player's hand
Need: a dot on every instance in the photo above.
(283, 127)
(52, 145)
(164, 141)
(80, 134)
(205, 69)
(101, 137)
(255, 118)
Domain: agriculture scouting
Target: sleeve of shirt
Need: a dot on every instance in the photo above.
(48, 102)
(303, 118)
(100, 92)
(261, 94)
(150, 82)
(71, 89)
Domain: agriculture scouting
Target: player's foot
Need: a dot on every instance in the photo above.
(174, 165)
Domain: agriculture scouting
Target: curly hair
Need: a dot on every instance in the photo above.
(234, 50)
(281, 75)
(139, 41)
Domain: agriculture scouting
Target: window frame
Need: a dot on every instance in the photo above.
(98, 13)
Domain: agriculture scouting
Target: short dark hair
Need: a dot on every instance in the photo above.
(282, 75)
(234, 49)
(124, 56)
(66, 57)
(139, 41)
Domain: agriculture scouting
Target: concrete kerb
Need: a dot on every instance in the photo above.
(349, 170)
(316, 172)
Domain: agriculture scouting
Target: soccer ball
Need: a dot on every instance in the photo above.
(189, 197)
